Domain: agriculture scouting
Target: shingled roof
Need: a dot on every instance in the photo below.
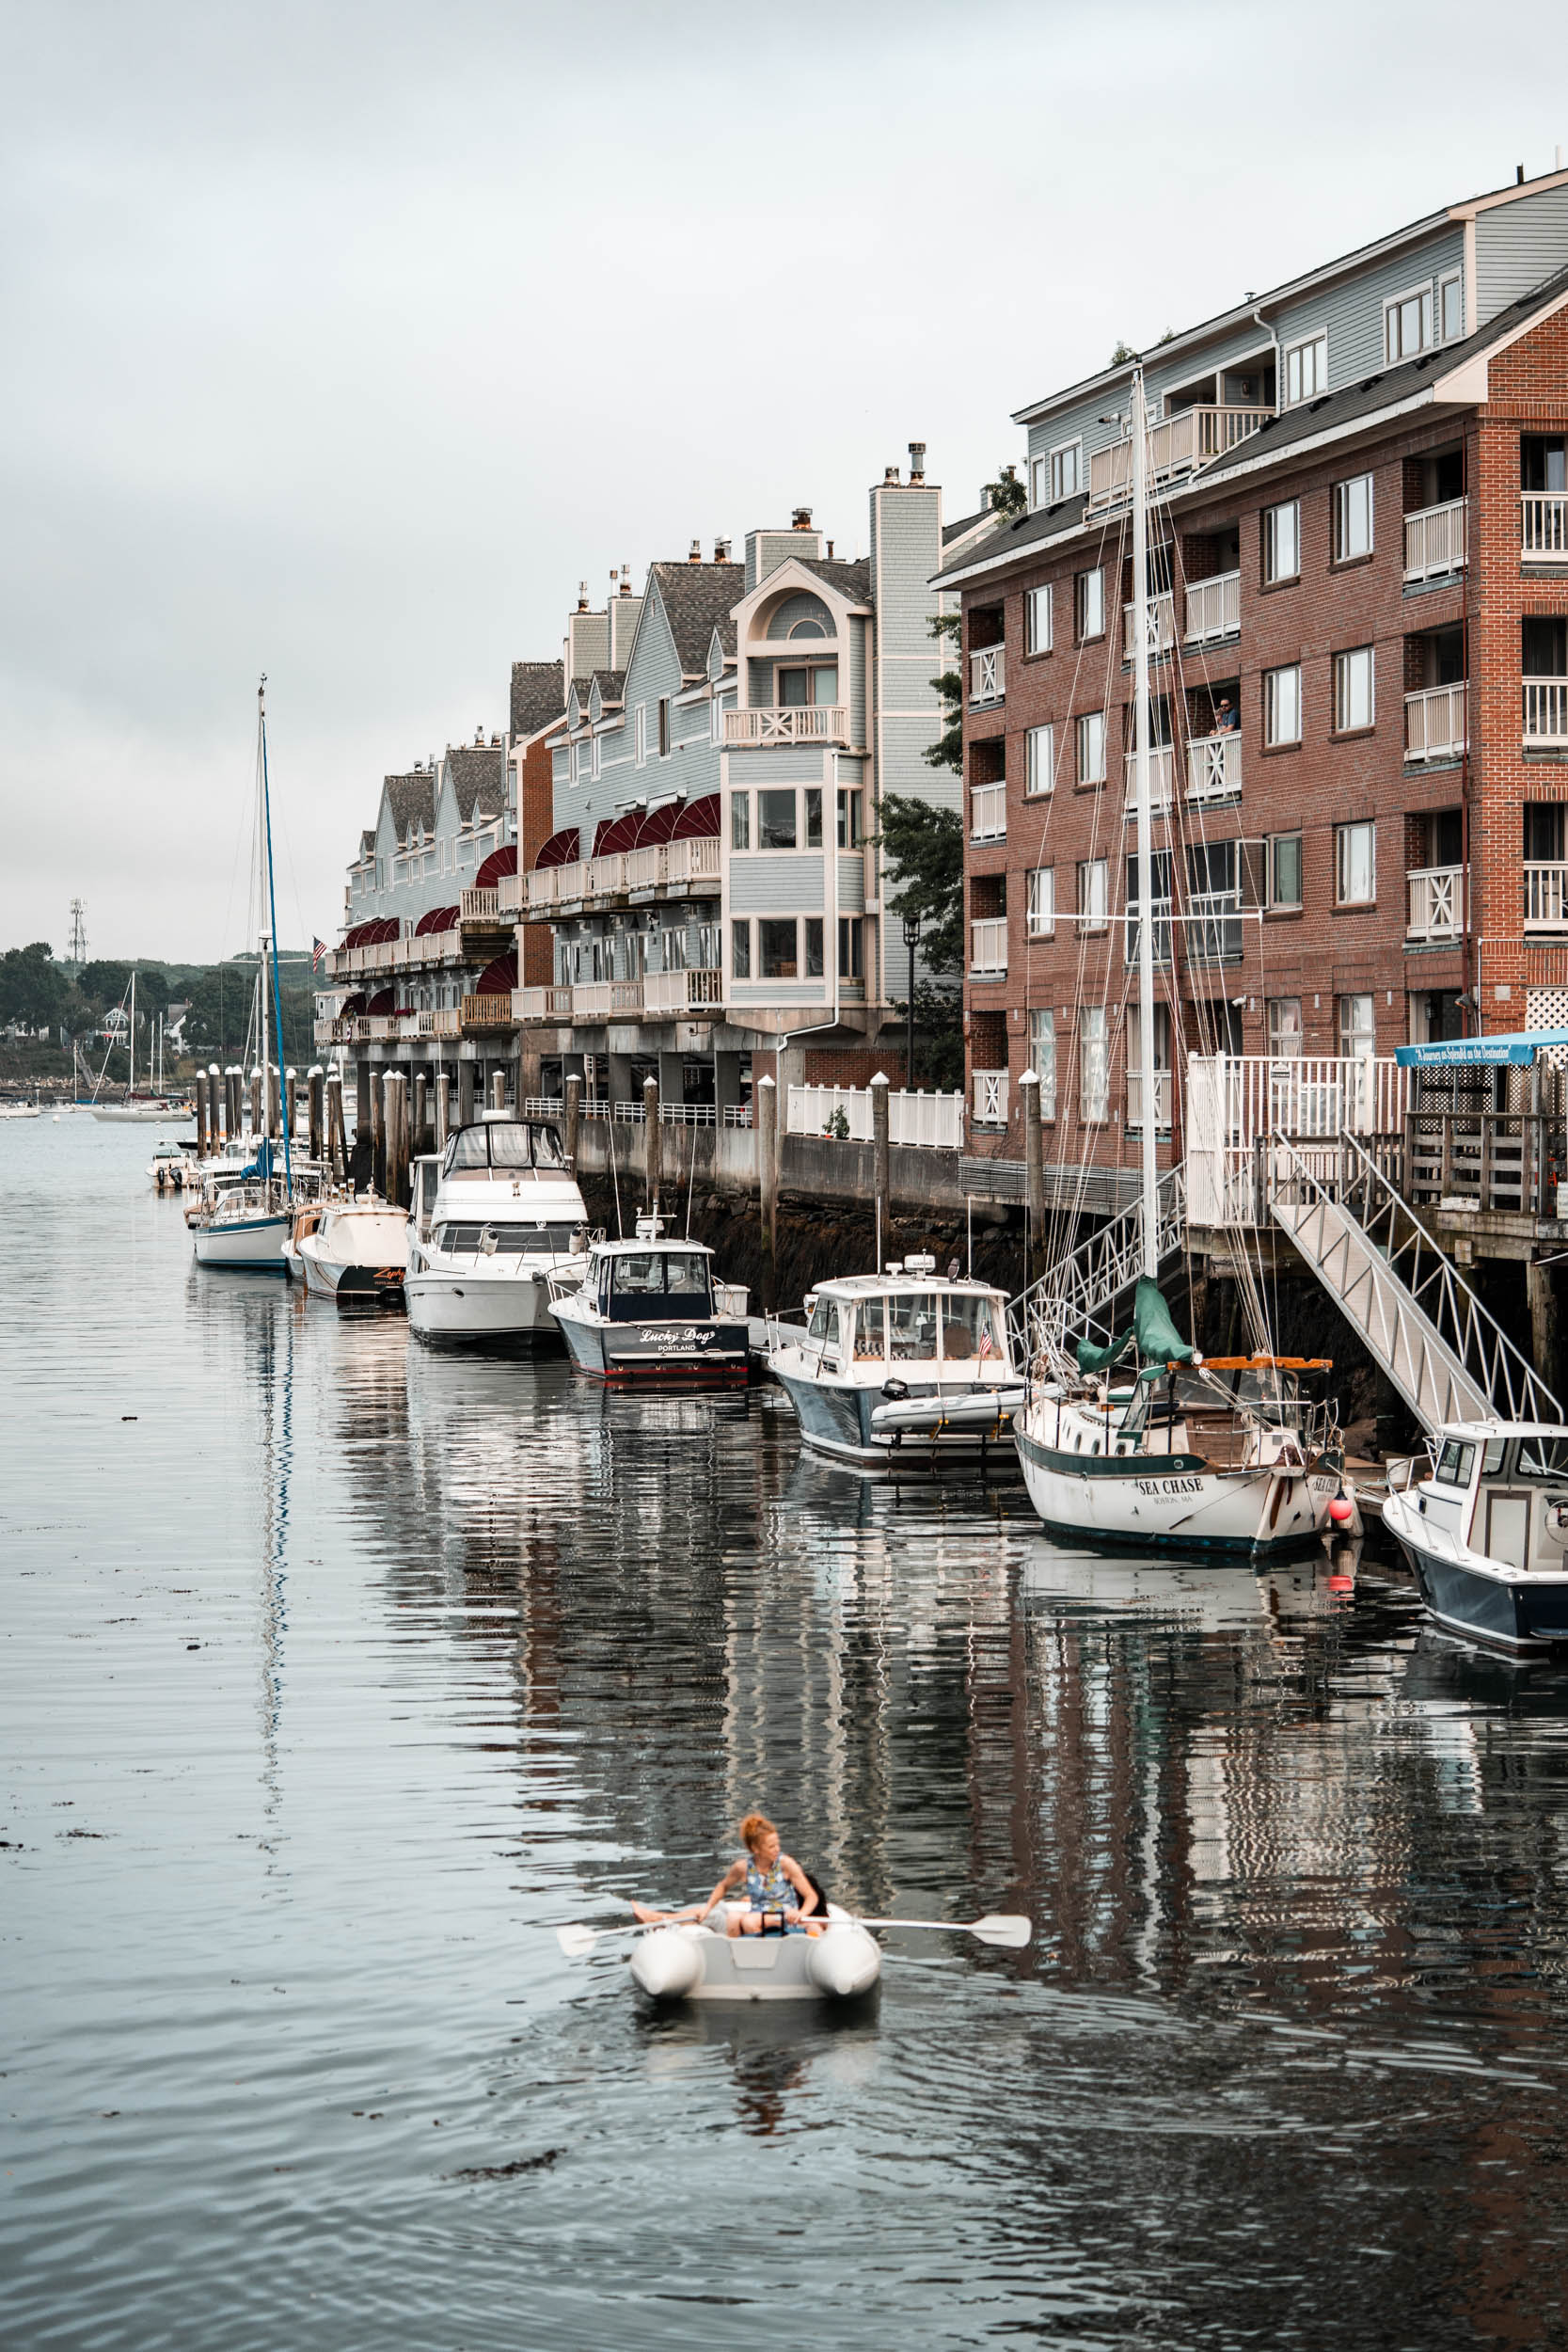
(697, 599)
(478, 772)
(851, 579)
(412, 802)
(538, 695)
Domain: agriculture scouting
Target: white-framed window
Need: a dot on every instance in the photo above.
(1352, 517)
(1305, 369)
(1042, 1057)
(1282, 542)
(1091, 747)
(1355, 866)
(740, 820)
(1089, 602)
(1094, 902)
(1282, 704)
(740, 948)
(1408, 323)
(597, 758)
(1285, 869)
(1039, 744)
(1358, 1028)
(1043, 902)
(640, 733)
(1036, 620)
(1451, 307)
(1285, 1028)
(1354, 691)
(1094, 1064)
(715, 720)
(1040, 481)
(664, 727)
(1067, 470)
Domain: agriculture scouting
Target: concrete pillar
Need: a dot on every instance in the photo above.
(443, 1108)
(880, 1165)
(467, 1073)
(1542, 1320)
(767, 1190)
(653, 1139)
(1034, 1171)
(364, 1117)
(498, 1089)
(574, 1118)
(316, 1107)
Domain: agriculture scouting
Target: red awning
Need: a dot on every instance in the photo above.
(499, 862)
(385, 1000)
(498, 978)
(352, 1005)
(438, 919)
(658, 825)
(698, 819)
(617, 834)
(560, 849)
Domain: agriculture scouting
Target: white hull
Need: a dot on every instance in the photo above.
(471, 1304)
(702, 1963)
(1185, 1507)
(164, 1113)
(19, 1110)
(355, 1250)
(254, 1245)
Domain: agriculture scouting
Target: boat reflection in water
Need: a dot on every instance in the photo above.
(1211, 1596)
(781, 2070)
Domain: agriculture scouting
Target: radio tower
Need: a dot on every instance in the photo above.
(77, 952)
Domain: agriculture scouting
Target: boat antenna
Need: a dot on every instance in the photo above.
(272, 909)
(1146, 853)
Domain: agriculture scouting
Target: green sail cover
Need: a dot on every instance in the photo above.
(1158, 1341)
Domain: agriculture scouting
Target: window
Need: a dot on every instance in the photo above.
(800, 689)
(848, 820)
(1066, 468)
(664, 727)
(740, 950)
(1285, 869)
(1043, 1059)
(814, 946)
(1093, 898)
(776, 821)
(1408, 323)
(1306, 370)
(1043, 902)
(814, 816)
(1353, 518)
(1091, 747)
(1354, 691)
(1282, 705)
(1284, 1027)
(1036, 620)
(740, 820)
(596, 757)
(777, 948)
(1159, 879)
(1094, 1065)
(1089, 603)
(1282, 542)
(1355, 867)
(1451, 307)
(1542, 463)
(850, 961)
(641, 733)
(1040, 481)
(1213, 902)
(1358, 1028)
(1041, 759)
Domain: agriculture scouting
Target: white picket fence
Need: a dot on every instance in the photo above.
(934, 1120)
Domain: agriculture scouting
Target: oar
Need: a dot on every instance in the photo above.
(997, 1927)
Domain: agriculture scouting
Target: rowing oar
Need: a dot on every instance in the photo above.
(1009, 1930)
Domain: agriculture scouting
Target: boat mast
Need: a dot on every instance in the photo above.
(1146, 852)
(131, 1084)
(261, 937)
(272, 909)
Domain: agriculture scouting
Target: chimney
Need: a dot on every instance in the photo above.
(582, 596)
(479, 734)
(917, 462)
(626, 579)
(695, 553)
(720, 550)
(829, 550)
(1519, 174)
(890, 478)
(800, 519)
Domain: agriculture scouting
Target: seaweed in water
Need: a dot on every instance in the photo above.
(507, 2171)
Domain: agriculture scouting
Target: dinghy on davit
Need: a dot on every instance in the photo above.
(690, 1962)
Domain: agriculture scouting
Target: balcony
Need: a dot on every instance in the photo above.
(1434, 723)
(1214, 609)
(481, 906)
(1545, 714)
(1136, 1100)
(699, 991)
(786, 723)
(445, 1022)
(1543, 526)
(1435, 542)
(1179, 445)
(988, 812)
(509, 894)
(1213, 928)
(542, 1004)
(987, 675)
(1214, 767)
(988, 948)
(1162, 625)
(673, 866)
(1434, 906)
(603, 1000)
(990, 1098)
(1162, 779)
(487, 1013)
(1546, 898)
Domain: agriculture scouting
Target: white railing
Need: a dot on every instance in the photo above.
(607, 876)
(988, 812)
(326, 1032)
(479, 906)
(1161, 778)
(1135, 1099)
(693, 860)
(687, 1115)
(435, 947)
(446, 1022)
(1434, 541)
(1435, 902)
(988, 945)
(597, 1000)
(987, 675)
(1434, 722)
(1214, 766)
(645, 867)
(990, 1098)
(933, 1121)
(788, 722)
(1545, 898)
(544, 1106)
(1546, 711)
(737, 1114)
(510, 893)
(1315, 1095)
(1544, 525)
(1182, 442)
(1213, 607)
(542, 1004)
(683, 991)
(1160, 613)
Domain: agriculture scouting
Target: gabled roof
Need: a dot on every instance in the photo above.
(853, 581)
(606, 690)
(411, 800)
(697, 599)
(478, 773)
(538, 695)
(966, 523)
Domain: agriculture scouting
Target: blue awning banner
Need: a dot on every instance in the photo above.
(1515, 1046)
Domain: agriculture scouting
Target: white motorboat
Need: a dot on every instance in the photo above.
(21, 1110)
(496, 1220)
(649, 1310)
(690, 1962)
(353, 1250)
(902, 1371)
(1486, 1529)
(141, 1110)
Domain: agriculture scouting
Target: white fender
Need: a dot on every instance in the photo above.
(668, 1963)
(846, 1961)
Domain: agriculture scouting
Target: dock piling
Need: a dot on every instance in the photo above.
(498, 1089)
(290, 1104)
(466, 1074)
(337, 1143)
(200, 1114)
(416, 1135)
(767, 1095)
(574, 1121)
(378, 1131)
(443, 1108)
(653, 1135)
(1033, 1173)
(880, 1158)
(315, 1101)
(397, 1138)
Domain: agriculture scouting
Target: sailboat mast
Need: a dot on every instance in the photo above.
(131, 1084)
(1146, 849)
(271, 911)
(261, 941)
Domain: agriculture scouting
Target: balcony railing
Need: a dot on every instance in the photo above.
(1162, 624)
(1162, 779)
(1434, 541)
(1213, 607)
(1136, 1100)
(487, 1013)
(446, 1021)
(987, 675)
(1434, 906)
(1434, 722)
(510, 893)
(479, 906)
(1543, 526)
(988, 947)
(542, 1004)
(1214, 767)
(1546, 713)
(598, 1000)
(1212, 933)
(1545, 898)
(787, 722)
(695, 859)
(697, 991)
(667, 865)
(1179, 445)
(990, 1098)
(988, 812)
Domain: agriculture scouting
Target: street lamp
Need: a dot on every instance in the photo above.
(912, 941)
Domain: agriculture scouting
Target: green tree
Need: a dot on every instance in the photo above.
(1122, 353)
(1006, 495)
(925, 848)
(101, 984)
(948, 749)
(33, 989)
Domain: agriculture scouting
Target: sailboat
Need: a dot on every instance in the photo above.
(1181, 1454)
(137, 1107)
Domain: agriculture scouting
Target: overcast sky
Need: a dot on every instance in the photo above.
(340, 341)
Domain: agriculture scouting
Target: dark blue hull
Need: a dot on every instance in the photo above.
(1521, 1612)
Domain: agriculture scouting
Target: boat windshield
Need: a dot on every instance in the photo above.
(503, 1143)
(972, 1330)
(870, 1330)
(649, 1274)
(912, 1328)
(508, 1240)
(1543, 1457)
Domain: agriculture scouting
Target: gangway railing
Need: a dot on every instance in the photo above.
(1079, 1293)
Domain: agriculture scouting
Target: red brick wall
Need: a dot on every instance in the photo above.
(851, 1065)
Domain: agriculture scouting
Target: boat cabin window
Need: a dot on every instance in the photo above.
(1543, 1457)
(1492, 1460)
(661, 1285)
(912, 1328)
(971, 1330)
(1456, 1463)
(503, 1143)
(508, 1239)
(870, 1331)
(826, 1327)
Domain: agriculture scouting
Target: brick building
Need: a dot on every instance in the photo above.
(1358, 567)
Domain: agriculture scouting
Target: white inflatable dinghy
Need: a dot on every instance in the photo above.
(703, 1963)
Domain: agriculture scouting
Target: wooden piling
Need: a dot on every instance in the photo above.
(443, 1109)
(881, 1162)
(466, 1076)
(498, 1089)
(232, 1081)
(364, 1096)
(1542, 1320)
(200, 1103)
(315, 1103)
(652, 1137)
(291, 1104)
(215, 1081)
(397, 1138)
(574, 1121)
(416, 1132)
(767, 1095)
(256, 1106)
(378, 1131)
(336, 1141)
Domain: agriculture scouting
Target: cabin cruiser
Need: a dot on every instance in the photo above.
(352, 1249)
(1486, 1529)
(497, 1218)
(901, 1371)
(650, 1309)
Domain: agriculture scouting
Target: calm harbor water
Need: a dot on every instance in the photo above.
(335, 1675)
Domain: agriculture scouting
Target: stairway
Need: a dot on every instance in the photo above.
(1080, 1292)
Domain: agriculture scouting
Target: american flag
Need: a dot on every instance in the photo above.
(318, 949)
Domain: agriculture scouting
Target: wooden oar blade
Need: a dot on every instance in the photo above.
(577, 1941)
(999, 1927)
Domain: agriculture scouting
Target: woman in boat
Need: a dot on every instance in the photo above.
(783, 1900)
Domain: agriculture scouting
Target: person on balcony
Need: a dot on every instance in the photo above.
(1227, 718)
